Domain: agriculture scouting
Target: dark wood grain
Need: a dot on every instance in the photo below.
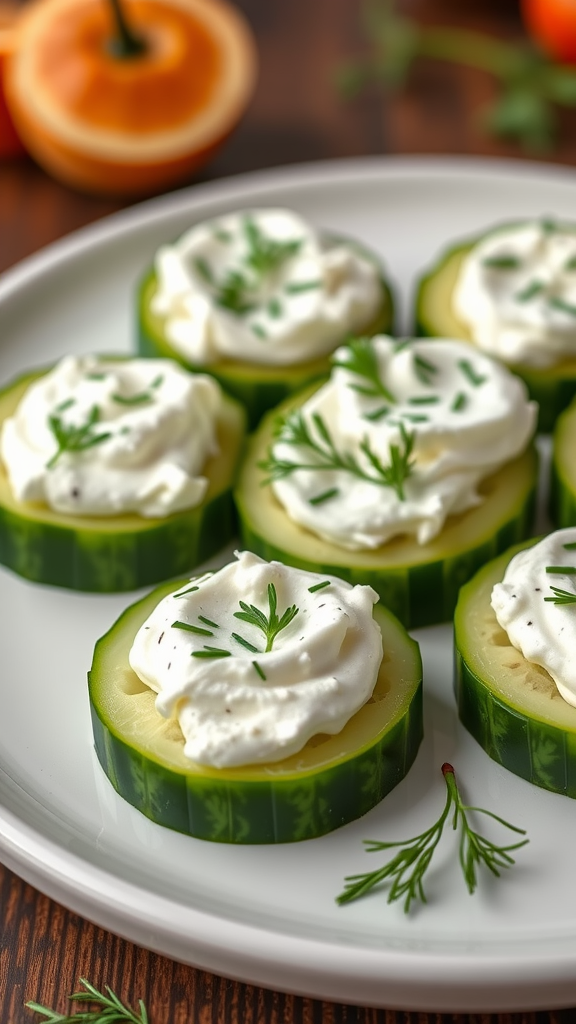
(296, 116)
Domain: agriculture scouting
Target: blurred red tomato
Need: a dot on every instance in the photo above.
(552, 24)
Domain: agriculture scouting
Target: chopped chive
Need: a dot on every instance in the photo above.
(531, 289)
(570, 547)
(211, 652)
(416, 417)
(192, 629)
(570, 264)
(66, 404)
(259, 331)
(183, 592)
(424, 400)
(319, 586)
(563, 570)
(378, 414)
(503, 262)
(565, 307)
(325, 496)
(124, 430)
(561, 596)
(203, 269)
(222, 236)
(208, 622)
(157, 381)
(245, 643)
(424, 370)
(96, 376)
(143, 396)
(459, 402)
(295, 287)
(274, 309)
(470, 373)
(401, 344)
(259, 670)
(548, 225)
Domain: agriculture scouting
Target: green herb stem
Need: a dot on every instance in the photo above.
(126, 44)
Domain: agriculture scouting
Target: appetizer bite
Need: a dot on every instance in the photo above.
(562, 504)
(256, 704)
(515, 633)
(407, 470)
(115, 473)
(259, 299)
(512, 294)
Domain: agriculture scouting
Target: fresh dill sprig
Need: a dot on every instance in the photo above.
(234, 293)
(265, 255)
(293, 430)
(70, 438)
(359, 357)
(407, 868)
(112, 1011)
(270, 625)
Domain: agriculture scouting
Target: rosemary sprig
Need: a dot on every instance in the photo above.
(293, 430)
(359, 357)
(112, 1010)
(561, 596)
(270, 625)
(75, 439)
(407, 868)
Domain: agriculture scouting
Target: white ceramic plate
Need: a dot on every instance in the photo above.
(267, 915)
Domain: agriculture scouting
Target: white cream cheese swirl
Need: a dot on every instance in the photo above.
(516, 293)
(462, 414)
(260, 286)
(534, 606)
(103, 437)
(246, 704)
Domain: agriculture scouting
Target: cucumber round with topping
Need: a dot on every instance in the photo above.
(331, 781)
(116, 553)
(563, 470)
(552, 387)
(511, 706)
(258, 387)
(419, 583)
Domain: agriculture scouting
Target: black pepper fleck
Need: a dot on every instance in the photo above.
(160, 637)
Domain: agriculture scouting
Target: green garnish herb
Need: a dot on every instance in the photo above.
(319, 586)
(96, 376)
(157, 381)
(222, 236)
(75, 439)
(295, 287)
(233, 293)
(66, 404)
(530, 291)
(561, 596)
(269, 624)
(378, 414)
(424, 400)
(183, 593)
(274, 309)
(142, 396)
(424, 369)
(570, 547)
(416, 417)
(211, 652)
(407, 868)
(469, 372)
(548, 225)
(265, 255)
(293, 430)
(203, 270)
(401, 343)
(112, 1010)
(562, 570)
(570, 264)
(360, 359)
(259, 670)
(208, 622)
(565, 307)
(325, 496)
(259, 331)
(245, 643)
(192, 629)
(501, 262)
(459, 402)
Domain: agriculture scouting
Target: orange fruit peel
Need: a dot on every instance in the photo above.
(10, 144)
(129, 124)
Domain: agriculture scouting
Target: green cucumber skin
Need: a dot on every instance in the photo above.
(280, 811)
(553, 393)
(562, 499)
(103, 562)
(536, 751)
(258, 396)
(420, 595)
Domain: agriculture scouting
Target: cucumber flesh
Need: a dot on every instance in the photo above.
(552, 387)
(563, 470)
(511, 707)
(331, 781)
(419, 583)
(116, 553)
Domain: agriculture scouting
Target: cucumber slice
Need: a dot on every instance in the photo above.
(511, 707)
(259, 388)
(552, 387)
(331, 781)
(563, 470)
(116, 553)
(419, 583)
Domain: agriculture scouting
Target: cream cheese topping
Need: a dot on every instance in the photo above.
(260, 286)
(536, 606)
(516, 293)
(103, 437)
(238, 702)
(397, 440)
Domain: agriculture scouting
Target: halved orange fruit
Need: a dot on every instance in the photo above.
(10, 144)
(128, 124)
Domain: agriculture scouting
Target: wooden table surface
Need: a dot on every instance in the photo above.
(295, 117)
